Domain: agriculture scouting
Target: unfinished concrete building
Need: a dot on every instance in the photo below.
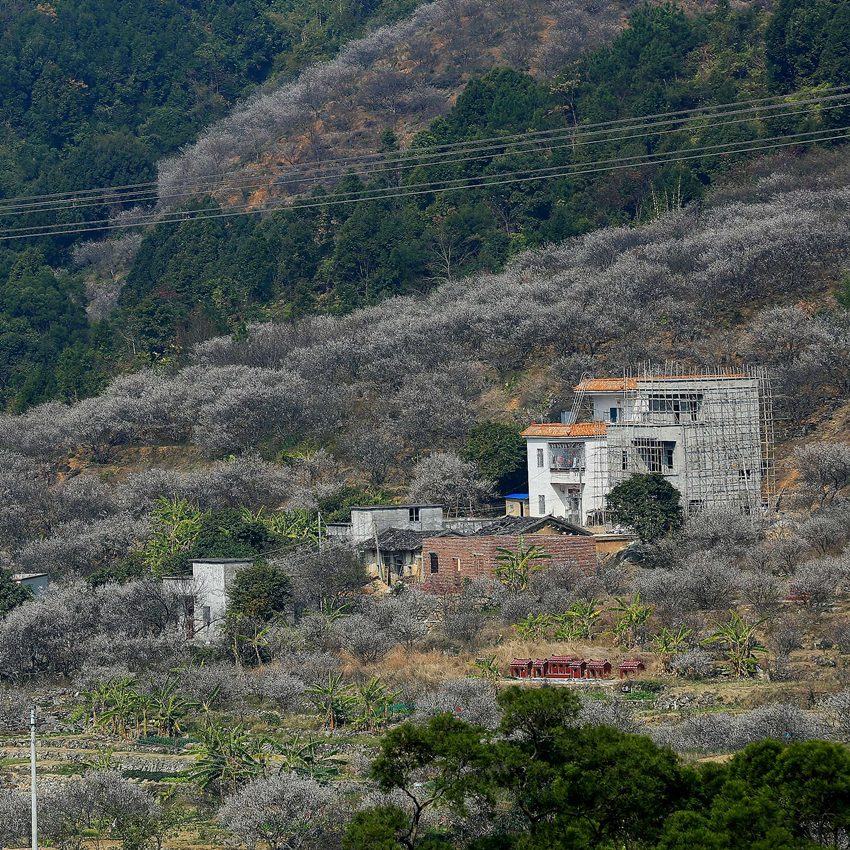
(710, 435)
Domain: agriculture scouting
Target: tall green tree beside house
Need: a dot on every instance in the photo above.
(499, 452)
(12, 593)
(648, 504)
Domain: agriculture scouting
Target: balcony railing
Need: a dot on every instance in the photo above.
(566, 464)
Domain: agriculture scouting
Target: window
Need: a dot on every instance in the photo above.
(656, 455)
(457, 564)
(566, 455)
(478, 564)
(613, 414)
(541, 504)
(676, 406)
(540, 458)
(624, 460)
(435, 562)
(206, 615)
(413, 514)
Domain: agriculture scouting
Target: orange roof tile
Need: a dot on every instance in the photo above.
(579, 429)
(615, 385)
(606, 385)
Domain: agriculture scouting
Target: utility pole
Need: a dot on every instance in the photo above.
(378, 553)
(32, 780)
(320, 531)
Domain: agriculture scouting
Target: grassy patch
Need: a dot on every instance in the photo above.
(639, 695)
(71, 769)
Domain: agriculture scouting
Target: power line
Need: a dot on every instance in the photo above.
(346, 162)
(380, 193)
(437, 187)
(576, 139)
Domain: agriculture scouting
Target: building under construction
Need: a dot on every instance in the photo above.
(710, 435)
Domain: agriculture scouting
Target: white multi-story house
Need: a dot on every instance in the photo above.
(709, 435)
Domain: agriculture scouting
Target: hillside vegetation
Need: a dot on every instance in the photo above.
(94, 94)
(192, 281)
(231, 387)
(188, 278)
(384, 384)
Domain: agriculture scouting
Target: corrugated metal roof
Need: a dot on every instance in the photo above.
(578, 429)
(403, 539)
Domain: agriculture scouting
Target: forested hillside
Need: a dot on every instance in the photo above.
(340, 256)
(94, 93)
(192, 281)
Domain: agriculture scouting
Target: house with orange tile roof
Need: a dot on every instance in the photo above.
(708, 434)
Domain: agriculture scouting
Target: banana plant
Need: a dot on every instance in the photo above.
(120, 705)
(104, 759)
(667, 643)
(579, 621)
(514, 568)
(374, 700)
(333, 701)
(169, 709)
(487, 668)
(308, 758)
(96, 701)
(226, 758)
(630, 618)
(175, 523)
(259, 640)
(740, 643)
(534, 627)
(144, 706)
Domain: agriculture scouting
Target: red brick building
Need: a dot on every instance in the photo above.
(448, 561)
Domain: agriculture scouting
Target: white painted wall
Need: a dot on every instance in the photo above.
(711, 448)
(559, 487)
(211, 580)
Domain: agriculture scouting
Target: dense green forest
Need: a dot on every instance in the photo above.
(93, 93)
(206, 277)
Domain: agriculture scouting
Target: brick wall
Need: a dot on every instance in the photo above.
(459, 558)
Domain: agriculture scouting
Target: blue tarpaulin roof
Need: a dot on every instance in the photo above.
(517, 496)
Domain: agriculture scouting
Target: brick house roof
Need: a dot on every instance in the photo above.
(529, 525)
(403, 539)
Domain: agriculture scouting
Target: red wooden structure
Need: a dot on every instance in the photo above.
(568, 667)
(598, 669)
(559, 667)
(577, 668)
(540, 668)
(631, 668)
